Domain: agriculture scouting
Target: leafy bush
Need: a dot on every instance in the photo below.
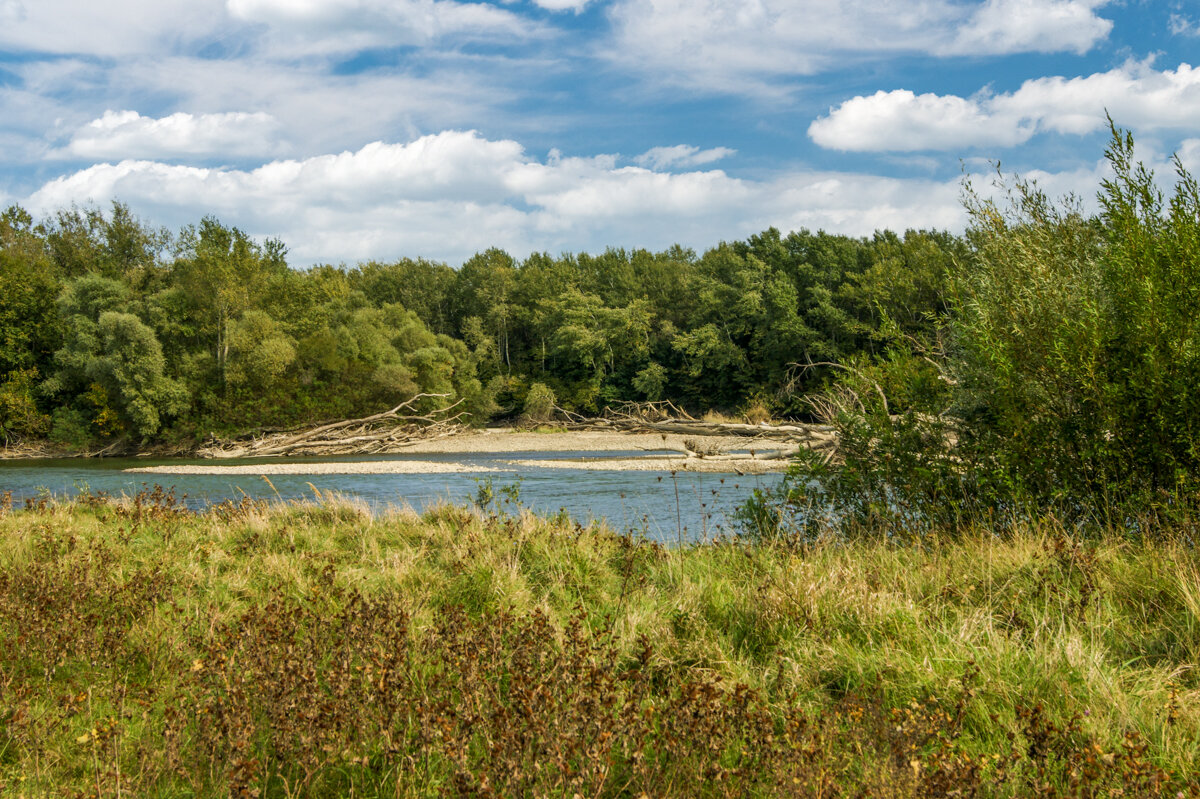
(539, 403)
(19, 414)
(1078, 340)
(70, 427)
(1072, 366)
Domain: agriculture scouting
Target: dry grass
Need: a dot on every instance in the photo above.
(317, 650)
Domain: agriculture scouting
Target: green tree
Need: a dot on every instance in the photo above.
(260, 351)
(29, 331)
(19, 414)
(112, 354)
(483, 288)
(130, 366)
(224, 274)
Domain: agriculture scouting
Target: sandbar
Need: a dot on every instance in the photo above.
(502, 440)
(284, 467)
(659, 464)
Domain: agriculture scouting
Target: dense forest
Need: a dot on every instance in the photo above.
(112, 329)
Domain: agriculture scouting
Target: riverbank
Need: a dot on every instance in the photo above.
(663, 452)
(734, 454)
(327, 651)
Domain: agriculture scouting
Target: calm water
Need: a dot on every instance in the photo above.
(639, 501)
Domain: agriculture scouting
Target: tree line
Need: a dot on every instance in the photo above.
(113, 329)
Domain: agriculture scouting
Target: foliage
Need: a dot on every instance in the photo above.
(19, 414)
(317, 650)
(1079, 341)
(246, 342)
(539, 404)
(1070, 350)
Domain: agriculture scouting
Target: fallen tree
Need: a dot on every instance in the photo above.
(395, 429)
(380, 432)
(664, 417)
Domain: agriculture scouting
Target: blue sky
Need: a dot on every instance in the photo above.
(374, 129)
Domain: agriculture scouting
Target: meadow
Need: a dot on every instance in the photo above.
(318, 649)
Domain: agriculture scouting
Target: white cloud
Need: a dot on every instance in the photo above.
(111, 28)
(317, 112)
(562, 5)
(740, 45)
(346, 25)
(454, 193)
(1046, 26)
(128, 134)
(118, 28)
(902, 121)
(1180, 25)
(1136, 96)
(681, 156)
(12, 11)
(1189, 154)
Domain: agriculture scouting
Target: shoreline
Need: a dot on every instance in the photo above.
(647, 464)
(664, 452)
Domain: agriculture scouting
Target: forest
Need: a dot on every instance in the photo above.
(112, 328)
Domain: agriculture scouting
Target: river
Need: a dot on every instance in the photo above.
(664, 507)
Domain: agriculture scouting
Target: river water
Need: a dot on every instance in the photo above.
(665, 507)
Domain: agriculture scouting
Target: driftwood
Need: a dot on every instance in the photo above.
(19, 450)
(371, 434)
(391, 430)
(665, 417)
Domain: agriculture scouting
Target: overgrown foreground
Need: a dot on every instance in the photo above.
(319, 651)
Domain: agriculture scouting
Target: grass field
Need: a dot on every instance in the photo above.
(318, 650)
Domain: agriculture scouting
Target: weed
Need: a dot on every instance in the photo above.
(320, 652)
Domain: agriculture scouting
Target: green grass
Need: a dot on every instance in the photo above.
(319, 650)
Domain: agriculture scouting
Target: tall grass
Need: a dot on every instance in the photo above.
(320, 650)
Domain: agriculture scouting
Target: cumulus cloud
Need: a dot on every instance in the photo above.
(1136, 96)
(903, 121)
(1046, 26)
(315, 111)
(11, 11)
(562, 5)
(681, 156)
(128, 134)
(454, 193)
(347, 25)
(735, 45)
(1189, 154)
(142, 27)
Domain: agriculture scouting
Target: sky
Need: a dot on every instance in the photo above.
(377, 129)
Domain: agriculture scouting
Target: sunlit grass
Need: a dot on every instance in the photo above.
(974, 651)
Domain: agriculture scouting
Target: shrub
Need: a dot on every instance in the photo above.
(1078, 340)
(19, 414)
(539, 403)
(1071, 362)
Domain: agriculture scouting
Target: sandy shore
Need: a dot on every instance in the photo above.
(655, 464)
(503, 440)
(283, 467)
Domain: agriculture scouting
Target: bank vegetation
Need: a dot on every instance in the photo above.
(320, 650)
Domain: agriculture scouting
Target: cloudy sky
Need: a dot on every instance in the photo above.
(359, 129)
